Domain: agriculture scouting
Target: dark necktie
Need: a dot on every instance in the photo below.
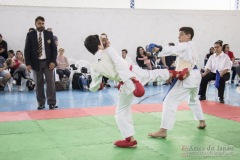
(40, 45)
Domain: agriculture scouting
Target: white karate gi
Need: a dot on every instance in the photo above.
(116, 68)
(182, 90)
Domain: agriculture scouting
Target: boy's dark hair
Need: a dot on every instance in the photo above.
(8, 61)
(11, 51)
(125, 50)
(187, 30)
(39, 18)
(91, 43)
(218, 42)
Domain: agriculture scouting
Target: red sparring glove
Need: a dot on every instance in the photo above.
(180, 74)
(139, 91)
(184, 72)
(119, 85)
(101, 86)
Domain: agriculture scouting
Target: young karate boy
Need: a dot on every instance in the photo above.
(182, 90)
(132, 78)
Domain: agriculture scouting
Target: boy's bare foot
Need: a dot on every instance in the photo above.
(162, 133)
(202, 124)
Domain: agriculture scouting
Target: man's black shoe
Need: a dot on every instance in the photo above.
(41, 107)
(52, 106)
(221, 100)
(202, 98)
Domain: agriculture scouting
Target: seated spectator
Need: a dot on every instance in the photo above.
(168, 61)
(232, 58)
(125, 57)
(19, 57)
(153, 48)
(4, 74)
(145, 60)
(62, 64)
(54, 37)
(11, 54)
(18, 71)
(142, 59)
(220, 62)
(3, 48)
(211, 51)
(152, 53)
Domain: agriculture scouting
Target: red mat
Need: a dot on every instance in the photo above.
(211, 108)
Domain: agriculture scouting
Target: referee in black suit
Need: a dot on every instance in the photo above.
(40, 56)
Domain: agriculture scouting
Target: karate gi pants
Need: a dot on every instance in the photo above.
(177, 95)
(123, 113)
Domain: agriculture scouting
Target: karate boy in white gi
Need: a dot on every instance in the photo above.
(132, 78)
(182, 90)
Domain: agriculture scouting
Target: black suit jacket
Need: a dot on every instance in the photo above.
(31, 49)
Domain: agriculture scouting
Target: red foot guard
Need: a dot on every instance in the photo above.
(127, 143)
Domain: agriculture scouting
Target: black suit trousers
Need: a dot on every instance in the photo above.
(211, 76)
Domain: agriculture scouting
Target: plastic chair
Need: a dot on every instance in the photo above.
(227, 88)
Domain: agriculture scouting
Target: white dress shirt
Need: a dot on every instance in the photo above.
(218, 62)
(43, 46)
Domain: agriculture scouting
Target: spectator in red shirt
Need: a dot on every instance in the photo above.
(231, 56)
(18, 70)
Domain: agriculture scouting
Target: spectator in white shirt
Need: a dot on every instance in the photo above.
(219, 61)
(125, 57)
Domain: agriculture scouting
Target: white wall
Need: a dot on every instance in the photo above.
(126, 28)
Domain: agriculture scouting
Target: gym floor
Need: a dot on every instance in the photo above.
(83, 127)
